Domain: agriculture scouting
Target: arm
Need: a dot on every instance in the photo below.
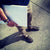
(5, 19)
(2, 15)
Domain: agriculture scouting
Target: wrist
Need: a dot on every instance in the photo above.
(6, 20)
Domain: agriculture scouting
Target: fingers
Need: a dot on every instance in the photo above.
(12, 24)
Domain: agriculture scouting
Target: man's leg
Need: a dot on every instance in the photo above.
(29, 19)
(29, 28)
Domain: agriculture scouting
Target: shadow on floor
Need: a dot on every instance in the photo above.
(10, 39)
(46, 5)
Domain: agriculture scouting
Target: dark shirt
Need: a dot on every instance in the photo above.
(14, 2)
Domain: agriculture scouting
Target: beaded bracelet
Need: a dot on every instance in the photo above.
(7, 20)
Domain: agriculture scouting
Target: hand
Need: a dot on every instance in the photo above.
(12, 23)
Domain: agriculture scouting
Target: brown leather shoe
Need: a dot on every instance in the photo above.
(28, 38)
(34, 28)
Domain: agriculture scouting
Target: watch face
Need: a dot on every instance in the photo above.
(17, 13)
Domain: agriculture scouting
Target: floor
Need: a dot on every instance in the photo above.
(11, 39)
